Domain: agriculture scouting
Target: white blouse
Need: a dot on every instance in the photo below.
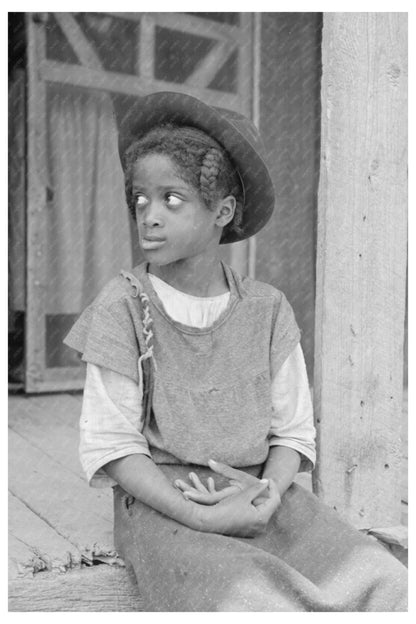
(111, 402)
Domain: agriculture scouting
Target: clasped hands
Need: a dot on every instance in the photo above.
(243, 508)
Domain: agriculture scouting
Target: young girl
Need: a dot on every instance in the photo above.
(196, 406)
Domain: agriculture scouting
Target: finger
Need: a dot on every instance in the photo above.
(200, 497)
(223, 469)
(197, 483)
(271, 503)
(211, 484)
(210, 498)
(182, 485)
(184, 488)
(239, 484)
(204, 498)
(273, 491)
(189, 492)
(261, 498)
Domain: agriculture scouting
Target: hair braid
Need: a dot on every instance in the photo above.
(209, 174)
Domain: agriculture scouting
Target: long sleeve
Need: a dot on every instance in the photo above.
(292, 419)
(110, 422)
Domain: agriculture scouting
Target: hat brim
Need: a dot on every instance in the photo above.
(182, 109)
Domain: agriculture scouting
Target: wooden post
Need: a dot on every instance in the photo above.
(361, 266)
(37, 196)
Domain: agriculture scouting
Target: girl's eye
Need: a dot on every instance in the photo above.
(140, 200)
(172, 200)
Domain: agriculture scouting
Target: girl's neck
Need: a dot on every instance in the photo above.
(194, 276)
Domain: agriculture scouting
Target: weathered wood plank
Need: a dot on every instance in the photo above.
(61, 498)
(395, 539)
(48, 410)
(36, 215)
(361, 266)
(398, 535)
(43, 548)
(22, 560)
(17, 175)
(48, 426)
(183, 22)
(114, 82)
(256, 63)
(405, 515)
(146, 47)
(99, 588)
(81, 46)
(404, 428)
(404, 481)
(245, 69)
(62, 379)
(38, 423)
(208, 67)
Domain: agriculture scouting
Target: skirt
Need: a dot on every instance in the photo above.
(309, 559)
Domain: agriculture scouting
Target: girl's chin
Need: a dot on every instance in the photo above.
(157, 258)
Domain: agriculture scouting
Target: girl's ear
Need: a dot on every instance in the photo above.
(225, 211)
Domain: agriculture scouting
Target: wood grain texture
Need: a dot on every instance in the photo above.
(62, 379)
(115, 82)
(17, 171)
(22, 560)
(245, 67)
(44, 548)
(55, 520)
(36, 204)
(100, 588)
(208, 66)
(361, 266)
(50, 410)
(79, 42)
(146, 45)
(188, 24)
(50, 423)
(57, 495)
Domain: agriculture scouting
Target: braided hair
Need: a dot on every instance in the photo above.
(200, 161)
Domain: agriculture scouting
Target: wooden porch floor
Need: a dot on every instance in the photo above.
(59, 528)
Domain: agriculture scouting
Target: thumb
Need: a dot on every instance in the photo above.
(255, 489)
(272, 502)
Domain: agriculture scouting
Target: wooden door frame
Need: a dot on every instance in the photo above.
(89, 74)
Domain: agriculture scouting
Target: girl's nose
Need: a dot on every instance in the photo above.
(151, 217)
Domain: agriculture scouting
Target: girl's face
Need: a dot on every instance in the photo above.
(172, 221)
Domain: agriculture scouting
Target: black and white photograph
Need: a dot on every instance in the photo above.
(208, 310)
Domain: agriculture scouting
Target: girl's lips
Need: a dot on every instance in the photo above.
(152, 243)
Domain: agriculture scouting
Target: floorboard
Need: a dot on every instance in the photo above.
(99, 588)
(61, 499)
(57, 522)
(45, 548)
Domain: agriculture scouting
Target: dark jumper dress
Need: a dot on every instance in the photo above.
(208, 395)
